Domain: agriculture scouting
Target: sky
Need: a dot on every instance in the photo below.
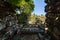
(39, 7)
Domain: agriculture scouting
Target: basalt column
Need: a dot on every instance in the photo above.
(52, 10)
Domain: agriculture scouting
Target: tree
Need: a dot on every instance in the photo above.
(42, 16)
(24, 6)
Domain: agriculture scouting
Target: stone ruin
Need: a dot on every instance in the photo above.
(52, 10)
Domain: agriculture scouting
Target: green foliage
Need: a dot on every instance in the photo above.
(14, 2)
(25, 8)
(42, 16)
(22, 18)
(34, 16)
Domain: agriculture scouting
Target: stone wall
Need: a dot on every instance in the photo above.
(52, 10)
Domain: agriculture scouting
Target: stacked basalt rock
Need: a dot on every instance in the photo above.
(52, 10)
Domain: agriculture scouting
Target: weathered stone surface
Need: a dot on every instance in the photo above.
(52, 10)
(6, 9)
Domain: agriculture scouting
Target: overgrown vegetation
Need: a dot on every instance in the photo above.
(25, 7)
